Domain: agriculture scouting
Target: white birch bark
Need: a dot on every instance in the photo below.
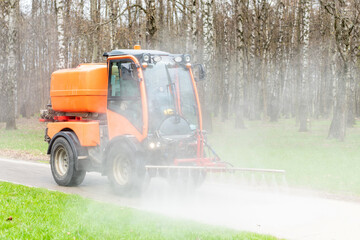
(113, 7)
(60, 33)
(209, 45)
(194, 28)
(280, 47)
(280, 71)
(110, 11)
(11, 85)
(240, 64)
(292, 70)
(82, 45)
(303, 111)
(187, 17)
(95, 18)
(208, 19)
(161, 23)
(251, 73)
(225, 92)
(151, 27)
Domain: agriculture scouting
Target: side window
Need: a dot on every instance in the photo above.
(114, 81)
(124, 92)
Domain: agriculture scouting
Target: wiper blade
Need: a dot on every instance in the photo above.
(172, 90)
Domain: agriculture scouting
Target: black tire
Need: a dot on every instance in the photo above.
(62, 162)
(126, 170)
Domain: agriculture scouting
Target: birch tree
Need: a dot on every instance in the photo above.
(3, 31)
(226, 68)
(240, 64)
(343, 28)
(95, 17)
(194, 14)
(60, 7)
(209, 46)
(112, 6)
(279, 62)
(10, 85)
(209, 88)
(303, 107)
(150, 23)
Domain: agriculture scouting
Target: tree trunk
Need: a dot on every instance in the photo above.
(208, 58)
(95, 18)
(338, 124)
(112, 12)
(209, 47)
(61, 33)
(161, 39)
(150, 24)
(240, 65)
(351, 101)
(11, 83)
(279, 64)
(343, 26)
(303, 111)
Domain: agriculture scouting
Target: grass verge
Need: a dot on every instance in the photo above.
(26, 142)
(310, 159)
(43, 214)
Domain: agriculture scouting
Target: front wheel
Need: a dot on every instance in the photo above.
(126, 170)
(62, 162)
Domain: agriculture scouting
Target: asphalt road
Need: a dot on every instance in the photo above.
(277, 213)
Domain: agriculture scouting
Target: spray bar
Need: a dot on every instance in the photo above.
(218, 168)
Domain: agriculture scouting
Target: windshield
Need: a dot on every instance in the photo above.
(169, 91)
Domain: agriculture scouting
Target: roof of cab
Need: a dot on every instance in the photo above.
(136, 53)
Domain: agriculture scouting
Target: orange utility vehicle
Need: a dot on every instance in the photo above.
(132, 118)
(138, 113)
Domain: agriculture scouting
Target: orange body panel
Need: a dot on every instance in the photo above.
(87, 132)
(81, 89)
(197, 97)
(119, 125)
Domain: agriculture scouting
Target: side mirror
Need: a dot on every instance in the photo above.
(199, 72)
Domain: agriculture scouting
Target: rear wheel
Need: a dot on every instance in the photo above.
(62, 162)
(126, 170)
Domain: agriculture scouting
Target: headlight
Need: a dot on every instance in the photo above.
(157, 58)
(187, 58)
(146, 57)
(152, 145)
(178, 59)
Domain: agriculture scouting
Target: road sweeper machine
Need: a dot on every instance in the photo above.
(135, 117)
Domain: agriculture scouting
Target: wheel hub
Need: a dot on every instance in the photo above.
(122, 170)
(61, 161)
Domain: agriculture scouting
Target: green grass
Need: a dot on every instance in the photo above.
(310, 159)
(43, 214)
(29, 137)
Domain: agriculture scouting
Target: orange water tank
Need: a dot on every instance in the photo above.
(81, 89)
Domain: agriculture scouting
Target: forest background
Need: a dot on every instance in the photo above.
(265, 59)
